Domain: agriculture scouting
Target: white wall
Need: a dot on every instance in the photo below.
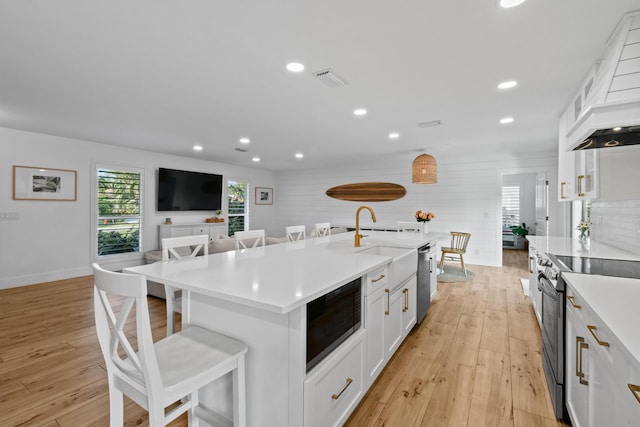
(467, 196)
(527, 184)
(52, 239)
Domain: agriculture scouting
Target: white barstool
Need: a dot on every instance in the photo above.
(167, 372)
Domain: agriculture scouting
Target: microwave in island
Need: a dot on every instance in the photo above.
(331, 319)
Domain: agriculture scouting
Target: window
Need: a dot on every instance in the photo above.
(119, 213)
(510, 205)
(238, 206)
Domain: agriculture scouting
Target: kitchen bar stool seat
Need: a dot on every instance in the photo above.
(170, 371)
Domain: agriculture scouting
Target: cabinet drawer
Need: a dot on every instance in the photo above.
(376, 279)
(630, 390)
(200, 230)
(335, 388)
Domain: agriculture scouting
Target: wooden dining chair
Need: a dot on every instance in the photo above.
(295, 233)
(456, 251)
(323, 229)
(249, 239)
(180, 247)
(409, 226)
(169, 372)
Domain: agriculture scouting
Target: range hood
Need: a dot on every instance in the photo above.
(606, 110)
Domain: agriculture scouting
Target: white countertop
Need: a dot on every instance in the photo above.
(280, 277)
(573, 247)
(615, 301)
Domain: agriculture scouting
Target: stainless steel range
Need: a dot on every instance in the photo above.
(552, 286)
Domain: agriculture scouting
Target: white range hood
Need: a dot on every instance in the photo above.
(609, 97)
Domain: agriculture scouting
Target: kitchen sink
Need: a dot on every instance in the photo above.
(404, 265)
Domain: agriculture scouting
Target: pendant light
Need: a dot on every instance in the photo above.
(424, 170)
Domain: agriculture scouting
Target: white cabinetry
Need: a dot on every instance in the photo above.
(534, 293)
(577, 170)
(410, 305)
(375, 307)
(433, 272)
(213, 230)
(332, 391)
(599, 371)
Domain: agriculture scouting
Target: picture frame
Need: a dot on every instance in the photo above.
(39, 183)
(264, 196)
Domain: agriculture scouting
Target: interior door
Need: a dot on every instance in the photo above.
(542, 204)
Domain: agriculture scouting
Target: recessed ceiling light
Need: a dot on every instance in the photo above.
(299, 155)
(506, 120)
(360, 112)
(394, 135)
(295, 67)
(617, 129)
(244, 140)
(256, 159)
(508, 85)
(197, 148)
(510, 3)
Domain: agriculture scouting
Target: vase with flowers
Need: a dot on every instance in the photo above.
(583, 227)
(423, 218)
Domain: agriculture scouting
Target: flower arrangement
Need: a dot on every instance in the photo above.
(424, 216)
(583, 228)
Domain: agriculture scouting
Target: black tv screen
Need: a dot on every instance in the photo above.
(188, 191)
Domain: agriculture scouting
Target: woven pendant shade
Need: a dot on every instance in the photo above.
(424, 170)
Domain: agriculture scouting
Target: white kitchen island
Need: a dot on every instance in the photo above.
(259, 296)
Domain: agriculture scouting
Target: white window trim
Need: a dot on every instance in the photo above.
(115, 261)
(247, 202)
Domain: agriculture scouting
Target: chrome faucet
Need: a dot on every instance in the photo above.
(373, 217)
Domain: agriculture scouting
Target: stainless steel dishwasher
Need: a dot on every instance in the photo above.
(426, 265)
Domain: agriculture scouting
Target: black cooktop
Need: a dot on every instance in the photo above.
(601, 266)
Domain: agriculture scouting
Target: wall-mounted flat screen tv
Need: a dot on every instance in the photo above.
(188, 191)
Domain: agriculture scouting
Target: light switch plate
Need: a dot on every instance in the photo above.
(7, 216)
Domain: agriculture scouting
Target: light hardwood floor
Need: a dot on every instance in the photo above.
(474, 361)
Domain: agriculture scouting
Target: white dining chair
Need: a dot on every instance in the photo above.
(295, 233)
(323, 229)
(409, 226)
(180, 247)
(249, 239)
(170, 371)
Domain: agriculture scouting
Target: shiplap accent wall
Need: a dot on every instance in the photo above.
(617, 223)
(467, 196)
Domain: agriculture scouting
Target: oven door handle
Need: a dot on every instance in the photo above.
(546, 287)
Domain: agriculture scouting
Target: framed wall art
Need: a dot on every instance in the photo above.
(264, 196)
(34, 183)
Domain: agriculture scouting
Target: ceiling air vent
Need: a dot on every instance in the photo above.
(242, 150)
(329, 78)
(430, 124)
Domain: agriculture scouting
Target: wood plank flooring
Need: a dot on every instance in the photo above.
(474, 361)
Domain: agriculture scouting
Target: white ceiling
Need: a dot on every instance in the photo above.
(164, 75)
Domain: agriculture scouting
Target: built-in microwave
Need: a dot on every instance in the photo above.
(331, 319)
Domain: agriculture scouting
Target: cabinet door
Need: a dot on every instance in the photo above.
(392, 321)
(630, 394)
(433, 272)
(409, 305)
(586, 174)
(576, 361)
(566, 164)
(375, 306)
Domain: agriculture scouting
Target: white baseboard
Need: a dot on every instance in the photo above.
(50, 276)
